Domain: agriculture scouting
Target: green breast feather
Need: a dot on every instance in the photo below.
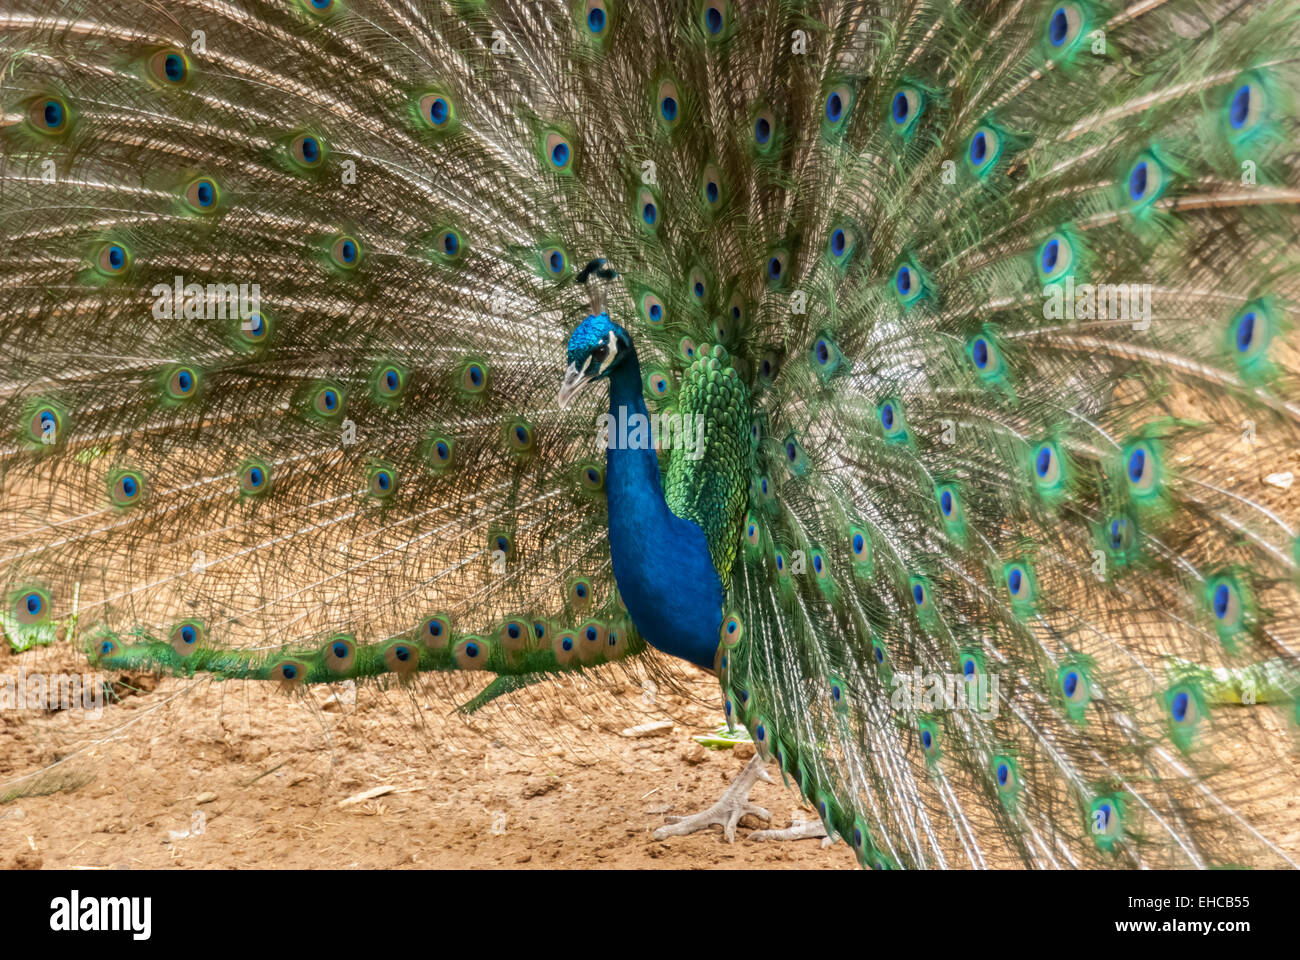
(708, 472)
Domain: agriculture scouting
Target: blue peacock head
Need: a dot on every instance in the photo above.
(595, 349)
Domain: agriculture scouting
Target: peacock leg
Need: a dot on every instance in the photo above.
(799, 830)
(729, 809)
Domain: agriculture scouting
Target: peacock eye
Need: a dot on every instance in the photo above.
(600, 352)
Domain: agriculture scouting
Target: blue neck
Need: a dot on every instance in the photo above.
(661, 561)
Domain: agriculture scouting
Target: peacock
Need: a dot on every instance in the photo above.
(926, 373)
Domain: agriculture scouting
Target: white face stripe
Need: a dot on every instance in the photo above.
(613, 352)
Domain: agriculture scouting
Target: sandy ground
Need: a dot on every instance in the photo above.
(202, 775)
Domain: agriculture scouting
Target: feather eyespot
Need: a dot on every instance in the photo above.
(327, 401)
(648, 208)
(402, 658)
(435, 632)
(836, 105)
(652, 309)
(126, 487)
(381, 482)
(1064, 27)
(46, 425)
(289, 673)
(1246, 108)
(554, 261)
(441, 450)
(1055, 257)
(564, 647)
(113, 259)
(1020, 583)
(777, 262)
(474, 377)
(669, 102)
(31, 607)
(389, 382)
(346, 252)
(437, 110)
(905, 108)
(711, 186)
(698, 284)
(171, 67)
(596, 18)
(1142, 469)
(559, 153)
(984, 149)
(1048, 471)
(592, 478)
(186, 637)
(764, 129)
(253, 328)
(182, 383)
(714, 17)
(340, 653)
(519, 436)
(307, 150)
(254, 478)
(202, 195)
(48, 115)
(1146, 181)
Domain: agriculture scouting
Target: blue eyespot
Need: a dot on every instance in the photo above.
(174, 67)
(596, 20)
(567, 643)
(656, 312)
(649, 214)
(1137, 461)
(1064, 27)
(774, 267)
(1051, 253)
(979, 148)
(668, 107)
(310, 148)
(980, 353)
(698, 290)
(556, 261)
(560, 154)
(116, 257)
(205, 193)
(945, 503)
(903, 281)
(1178, 706)
(713, 20)
(918, 594)
(711, 191)
(1137, 181)
(471, 650)
(834, 107)
(592, 634)
(255, 476)
(927, 739)
(1015, 580)
(289, 671)
(762, 130)
(887, 416)
(1004, 773)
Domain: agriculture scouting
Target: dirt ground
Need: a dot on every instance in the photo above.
(202, 775)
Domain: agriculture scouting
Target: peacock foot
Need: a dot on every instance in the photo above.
(799, 830)
(728, 811)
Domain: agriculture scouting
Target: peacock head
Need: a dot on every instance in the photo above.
(595, 349)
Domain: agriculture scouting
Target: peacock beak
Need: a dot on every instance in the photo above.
(575, 379)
